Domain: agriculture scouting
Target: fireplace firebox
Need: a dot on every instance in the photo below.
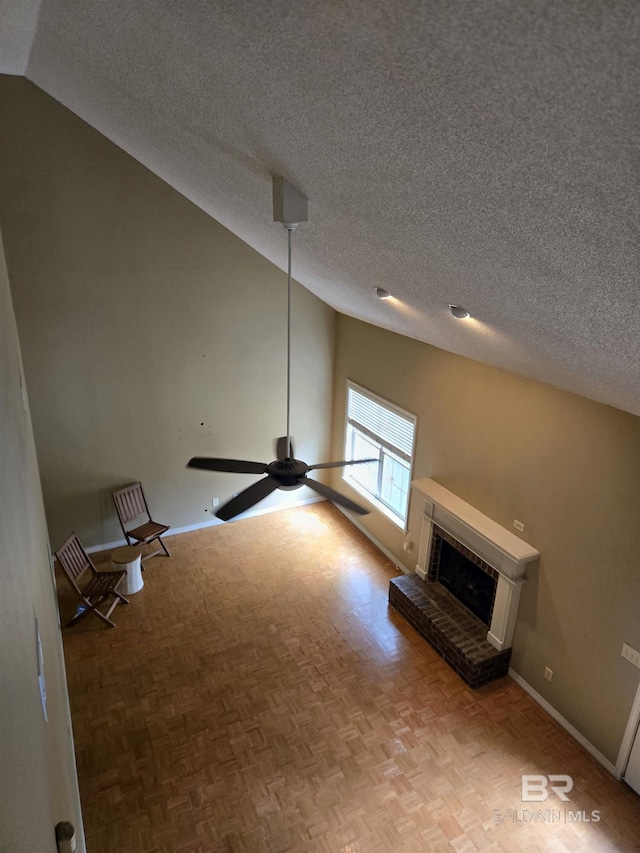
(472, 585)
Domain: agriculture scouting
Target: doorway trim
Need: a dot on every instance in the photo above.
(629, 737)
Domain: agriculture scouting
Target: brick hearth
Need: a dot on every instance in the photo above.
(456, 634)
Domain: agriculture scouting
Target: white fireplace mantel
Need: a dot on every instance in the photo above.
(493, 543)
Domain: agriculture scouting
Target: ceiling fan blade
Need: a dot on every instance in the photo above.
(332, 495)
(233, 466)
(282, 451)
(247, 498)
(341, 464)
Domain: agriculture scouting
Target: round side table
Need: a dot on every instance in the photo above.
(128, 558)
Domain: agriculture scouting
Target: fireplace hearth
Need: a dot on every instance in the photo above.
(453, 631)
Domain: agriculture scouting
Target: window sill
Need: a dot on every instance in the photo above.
(376, 504)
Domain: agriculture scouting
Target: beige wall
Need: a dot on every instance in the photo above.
(38, 786)
(567, 467)
(150, 333)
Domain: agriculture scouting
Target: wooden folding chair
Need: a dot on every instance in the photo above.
(131, 506)
(102, 587)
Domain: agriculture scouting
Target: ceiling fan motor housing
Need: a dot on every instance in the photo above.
(287, 472)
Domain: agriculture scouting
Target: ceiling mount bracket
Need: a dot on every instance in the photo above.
(289, 204)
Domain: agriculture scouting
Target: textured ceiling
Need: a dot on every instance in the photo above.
(18, 19)
(482, 152)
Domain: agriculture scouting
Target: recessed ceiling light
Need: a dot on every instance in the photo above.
(459, 312)
(381, 293)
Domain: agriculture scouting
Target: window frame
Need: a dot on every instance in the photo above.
(385, 447)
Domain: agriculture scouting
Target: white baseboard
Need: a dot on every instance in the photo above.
(566, 725)
(213, 522)
(107, 546)
(378, 545)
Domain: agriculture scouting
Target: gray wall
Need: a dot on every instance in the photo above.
(38, 786)
(567, 467)
(150, 333)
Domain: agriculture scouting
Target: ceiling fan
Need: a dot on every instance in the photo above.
(286, 472)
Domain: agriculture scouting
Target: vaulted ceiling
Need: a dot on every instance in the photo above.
(478, 152)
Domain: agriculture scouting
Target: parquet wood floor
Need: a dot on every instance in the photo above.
(260, 695)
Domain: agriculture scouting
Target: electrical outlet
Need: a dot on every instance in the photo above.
(215, 502)
(407, 546)
(548, 673)
(518, 525)
(631, 655)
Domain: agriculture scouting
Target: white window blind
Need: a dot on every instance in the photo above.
(380, 430)
(382, 421)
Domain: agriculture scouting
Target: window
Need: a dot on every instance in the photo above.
(376, 429)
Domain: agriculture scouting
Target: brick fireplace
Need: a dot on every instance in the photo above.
(464, 595)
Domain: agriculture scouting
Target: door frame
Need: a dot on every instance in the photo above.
(629, 737)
